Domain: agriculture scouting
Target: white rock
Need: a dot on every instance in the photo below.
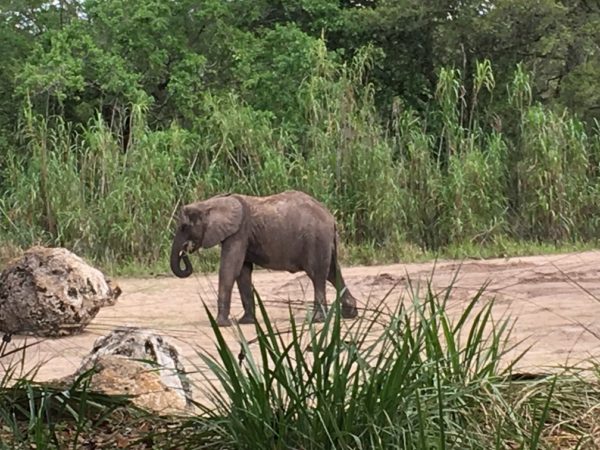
(51, 292)
(140, 363)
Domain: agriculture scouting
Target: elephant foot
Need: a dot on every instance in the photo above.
(223, 321)
(246, 319)
(349, 311)
(318, 315)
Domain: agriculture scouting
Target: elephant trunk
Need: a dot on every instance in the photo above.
(177, 256)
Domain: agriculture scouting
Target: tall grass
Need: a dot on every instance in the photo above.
(347, 160)
(483, 164)
(76, 188)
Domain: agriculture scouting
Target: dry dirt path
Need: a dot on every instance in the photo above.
(551, 297)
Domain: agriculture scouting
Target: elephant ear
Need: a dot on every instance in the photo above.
(222, 218)
(192, 214)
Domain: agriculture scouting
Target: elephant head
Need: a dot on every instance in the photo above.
(203, 224)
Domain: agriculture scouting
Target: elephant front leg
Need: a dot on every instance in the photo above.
(224, 300)
(244, 283)
(231, 266)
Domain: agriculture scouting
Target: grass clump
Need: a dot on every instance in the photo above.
(406, 378)
(34, 415)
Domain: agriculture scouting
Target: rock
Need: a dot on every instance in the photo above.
(51, 292)
(140, 363)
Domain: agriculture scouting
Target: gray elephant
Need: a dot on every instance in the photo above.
(287, 231)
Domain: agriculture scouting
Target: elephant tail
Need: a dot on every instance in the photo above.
(335, 241)
(334, 265)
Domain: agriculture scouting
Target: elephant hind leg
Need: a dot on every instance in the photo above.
(349, 310)
(317, 269)
(320, 306)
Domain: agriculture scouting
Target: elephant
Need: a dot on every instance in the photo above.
(288, 231)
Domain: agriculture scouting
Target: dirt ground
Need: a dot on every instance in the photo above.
(554, 299)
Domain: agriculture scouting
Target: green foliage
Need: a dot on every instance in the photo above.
(276, 61)
(552, 175)
(390, 187)
(77, 188)
(348, 164)
(475, 189)
(420, 181)
(241, 151)
(33, 413)
(108, 53)
(392, 113)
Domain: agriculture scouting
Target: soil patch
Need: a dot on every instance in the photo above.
(554, 299)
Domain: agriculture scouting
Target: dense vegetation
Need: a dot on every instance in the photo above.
(424, 125)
